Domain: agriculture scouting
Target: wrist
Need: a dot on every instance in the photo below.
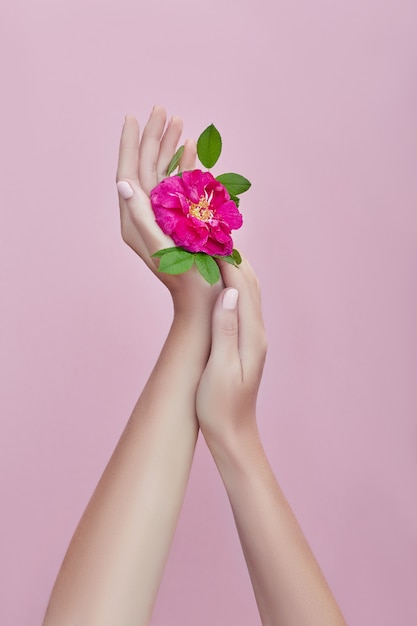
(242, 463)
(196, 303)
(197, 317)
(190, 337)
(234, 447)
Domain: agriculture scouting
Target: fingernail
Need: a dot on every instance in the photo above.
(230, 299)
(124, 189)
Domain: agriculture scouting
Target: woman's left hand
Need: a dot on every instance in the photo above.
(143, 163)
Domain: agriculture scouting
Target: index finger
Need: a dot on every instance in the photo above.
(127, 167)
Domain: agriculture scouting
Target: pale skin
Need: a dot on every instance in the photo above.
(207, 376)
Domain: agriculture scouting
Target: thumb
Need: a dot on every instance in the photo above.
(225, 327)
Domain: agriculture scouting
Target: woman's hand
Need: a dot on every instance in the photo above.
(226, 396)
(116, 559)
(143, 163)
(289, 587)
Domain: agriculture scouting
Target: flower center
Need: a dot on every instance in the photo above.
(201, 210)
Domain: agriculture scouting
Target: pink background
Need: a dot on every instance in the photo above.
(316, 102)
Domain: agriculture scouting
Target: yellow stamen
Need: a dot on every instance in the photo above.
(201, 210)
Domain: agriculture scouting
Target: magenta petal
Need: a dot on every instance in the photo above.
(189, 237)
(167, 221)
(230, 214)
(207, 228)
(212, 246)
(220, 234)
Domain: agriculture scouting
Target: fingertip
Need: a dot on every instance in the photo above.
(230, 298)
(159, 111)
(192, 148)
(191, 142)
(124, 189)
(131, 121)
(188, 158)
(176, 120)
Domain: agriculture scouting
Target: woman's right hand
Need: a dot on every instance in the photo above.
(288, 583)
(227, 393)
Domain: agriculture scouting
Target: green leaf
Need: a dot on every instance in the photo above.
(209, 146)
(228, 259)
(167, 251)
(234, 183)
(175, 161)
(235, 199)
(207, 267)
(236, 256)
(175, 261)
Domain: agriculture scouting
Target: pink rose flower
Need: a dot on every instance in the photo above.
(196, 211)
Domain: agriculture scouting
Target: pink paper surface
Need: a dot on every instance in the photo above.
(316, 103)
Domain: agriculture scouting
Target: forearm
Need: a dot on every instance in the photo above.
(289, 587)
(115, 561)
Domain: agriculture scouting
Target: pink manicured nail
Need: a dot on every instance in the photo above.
(124, 189)
(230, 299)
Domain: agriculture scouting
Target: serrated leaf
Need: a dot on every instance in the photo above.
(236, 256)
(207, 267)
(235, 199)
(234, 183)
(209, 146)
(228, 259)
(176, 262)
(176, 252)
(175, 160)
(166, 251)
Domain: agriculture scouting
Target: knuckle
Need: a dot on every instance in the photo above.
(229, 329)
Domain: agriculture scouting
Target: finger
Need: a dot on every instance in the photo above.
(168, 146)
(132, 236)
(225, 329)
(189, 156)
(127, 166)
(149, 149)
(135, 205)
(251, 328)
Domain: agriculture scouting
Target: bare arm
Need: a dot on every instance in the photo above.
(115, 561)
(289, 587)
